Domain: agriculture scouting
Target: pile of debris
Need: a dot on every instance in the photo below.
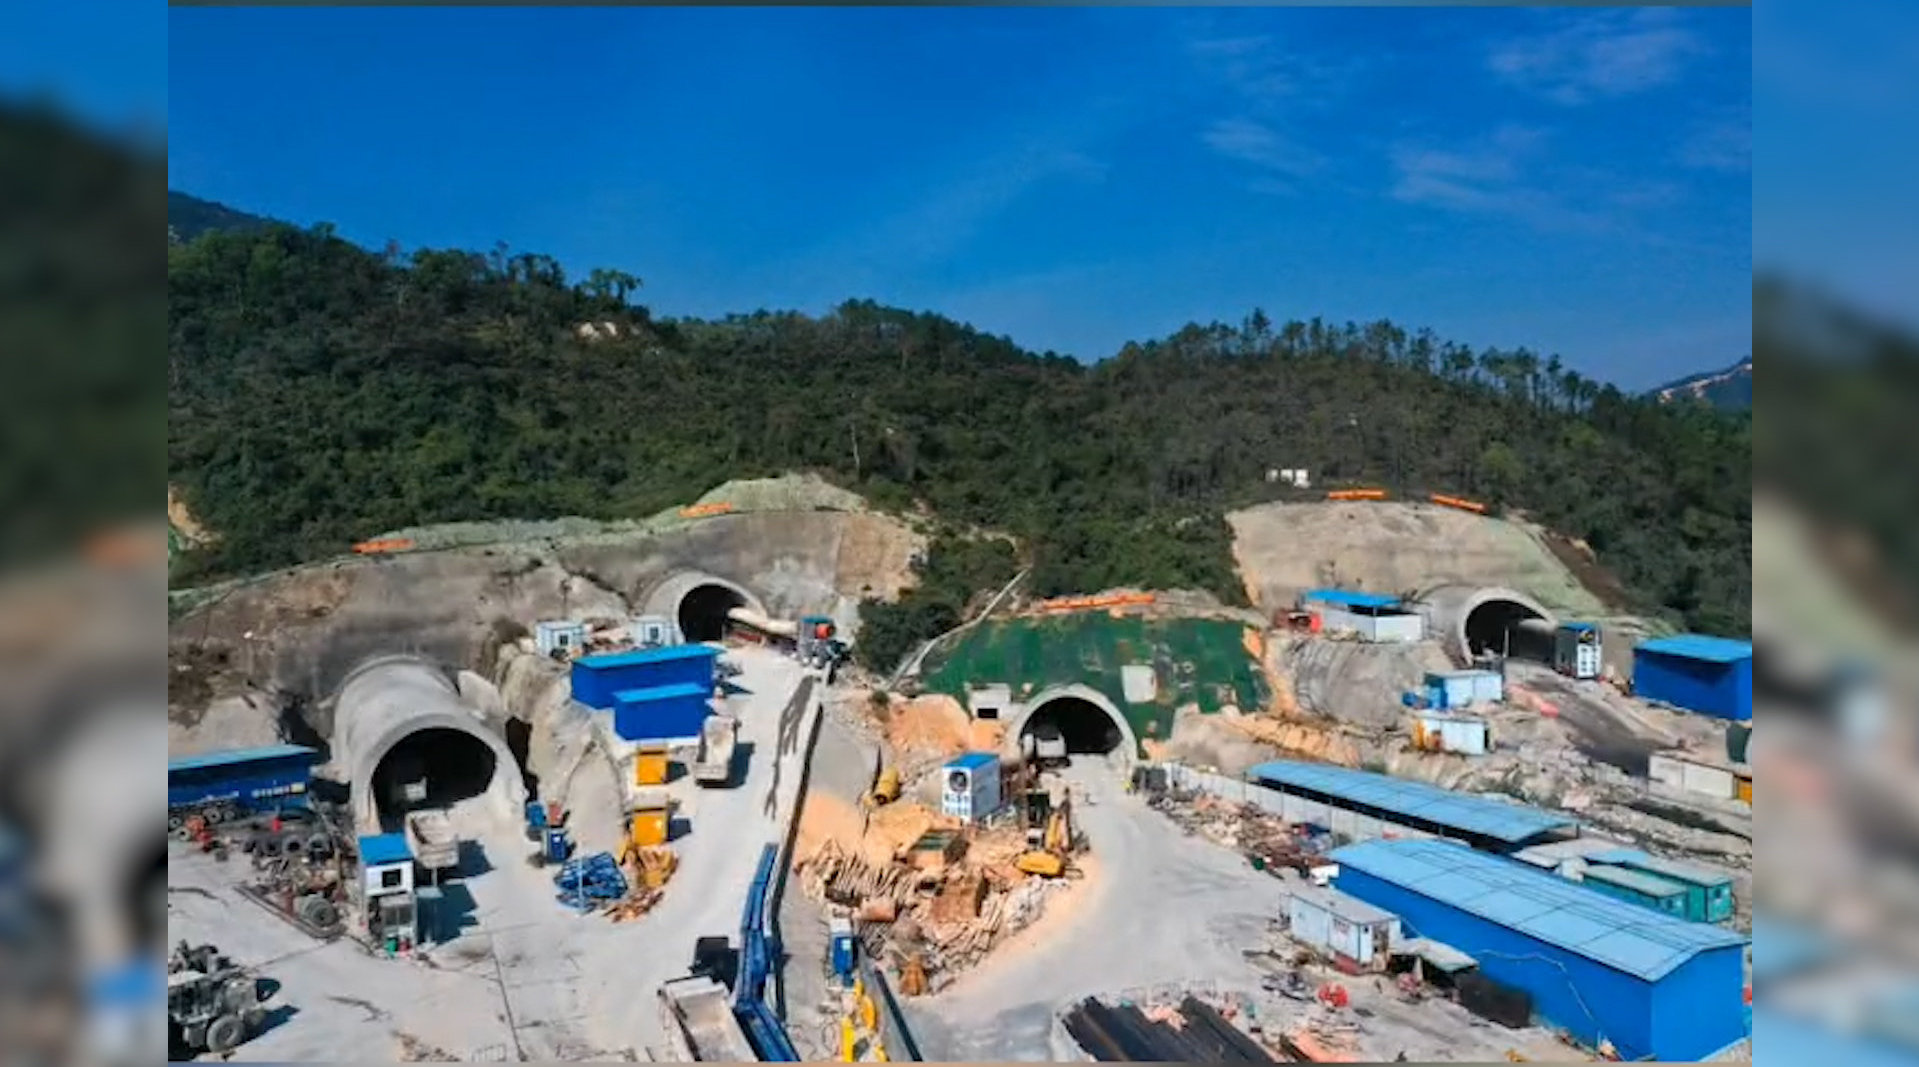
(943, 902)
(1190, 1030)
(1266, 840)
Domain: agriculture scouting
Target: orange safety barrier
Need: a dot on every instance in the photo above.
(1088, 603)
(700, 511)
(379, 545)
(1457, 502)
(1356, 494)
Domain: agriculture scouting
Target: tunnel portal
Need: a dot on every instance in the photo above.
(452, 765)
(702, 611)
(1083, 725)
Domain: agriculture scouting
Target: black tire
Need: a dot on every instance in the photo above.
(225, 1033)
(319, 846)
(292, 845)
(318, 912)
(175, 821)
(266, 845)
(214, 815)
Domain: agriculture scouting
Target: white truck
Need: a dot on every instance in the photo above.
(719, 738)
(697, 1015)
(429, 833)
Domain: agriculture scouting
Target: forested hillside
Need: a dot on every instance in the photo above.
(321, 393)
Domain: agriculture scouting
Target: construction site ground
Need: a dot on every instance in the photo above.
(526, 977)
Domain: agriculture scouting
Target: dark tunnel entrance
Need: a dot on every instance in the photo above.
(703, 611)
(1083, 725)
(1502, 627)
(432, 768)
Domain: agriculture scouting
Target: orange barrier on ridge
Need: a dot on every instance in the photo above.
(1087, 603)
(1356, 494)
(379, 545)
(700, 511)
(1462, 504)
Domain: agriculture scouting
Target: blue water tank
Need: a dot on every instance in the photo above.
(844, 949)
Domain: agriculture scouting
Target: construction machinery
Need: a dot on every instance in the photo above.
(1049, 836)
(429, 833)
(719, 737)
(1043, 746)
(886, 789)
(212, 1005)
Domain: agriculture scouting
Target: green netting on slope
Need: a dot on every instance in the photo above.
(1195, 661)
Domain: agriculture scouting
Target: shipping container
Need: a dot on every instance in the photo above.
(970, 786)
(596, 679)
(1577, 648)
(1452, 733)
(1346, 926)
(1690, 776)
(1637, 887)
(559, 636)
(1709, 896)
(1447, 690)
(669, 715)
(239, 780)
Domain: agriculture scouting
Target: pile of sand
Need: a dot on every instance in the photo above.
(877, 837)
(930, 725)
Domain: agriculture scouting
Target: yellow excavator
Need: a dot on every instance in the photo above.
(1047, 844)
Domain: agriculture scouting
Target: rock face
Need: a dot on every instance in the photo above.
(301, 631)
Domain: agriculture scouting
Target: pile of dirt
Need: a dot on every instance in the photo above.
(932, 725)
(792, 492)
(1386, 547)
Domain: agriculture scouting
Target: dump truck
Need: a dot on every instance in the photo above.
(429, 833)
(718, 740)
(697, 1016)
(1044, 746)
(212, 1004)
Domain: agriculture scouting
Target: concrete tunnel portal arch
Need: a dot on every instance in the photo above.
(698, 602)
(1473, 621)
(1089, 722)
(399, 719)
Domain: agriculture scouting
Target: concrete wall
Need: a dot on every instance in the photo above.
(388, 698)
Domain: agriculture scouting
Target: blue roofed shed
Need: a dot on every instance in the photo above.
(1656, 986)
(1482, 820)
(1349, 598)
(379, 850)
(1709, 675)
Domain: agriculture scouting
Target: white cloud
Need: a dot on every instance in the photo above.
(1264, 74)
(1488, 177)
(1598, 55)
(1263, 147)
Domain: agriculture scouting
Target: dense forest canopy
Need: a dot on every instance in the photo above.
(321, 393)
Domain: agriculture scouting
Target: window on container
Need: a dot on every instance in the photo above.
(390, 879)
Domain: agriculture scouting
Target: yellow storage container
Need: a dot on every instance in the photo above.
(649, 765)
(646, 821)
(1743, 785)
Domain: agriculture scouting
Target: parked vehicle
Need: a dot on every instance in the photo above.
(212, 1005)
(719, 737)
(429, 833)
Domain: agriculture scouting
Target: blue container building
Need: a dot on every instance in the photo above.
(1708, 892)
(1662, 895)
(672, 713)
(597, 680)
(1655, 986)
(1709, 675)
(243, 780)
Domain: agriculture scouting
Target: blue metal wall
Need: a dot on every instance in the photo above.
(1722, 690)
(598, 679)
(1692, 1012)
(672, 713)
(267, 783)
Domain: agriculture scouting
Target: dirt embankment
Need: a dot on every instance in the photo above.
(1389, 547)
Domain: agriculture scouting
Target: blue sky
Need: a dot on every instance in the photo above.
(1575, 181)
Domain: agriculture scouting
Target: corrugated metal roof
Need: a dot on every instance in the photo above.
(1638, 941)
(972, 760)
(637, 657)
(1676, 870)
(1699, 647)
(1352, 597)
(1480, 815)
(1438, 953)
(662, 692)
(241, 755)
(1638, 881)
(380, 849)
(1343, 905)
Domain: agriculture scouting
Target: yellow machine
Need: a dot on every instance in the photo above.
(647, 819)
(650, 765)
(1046, 850)
(886, 790)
